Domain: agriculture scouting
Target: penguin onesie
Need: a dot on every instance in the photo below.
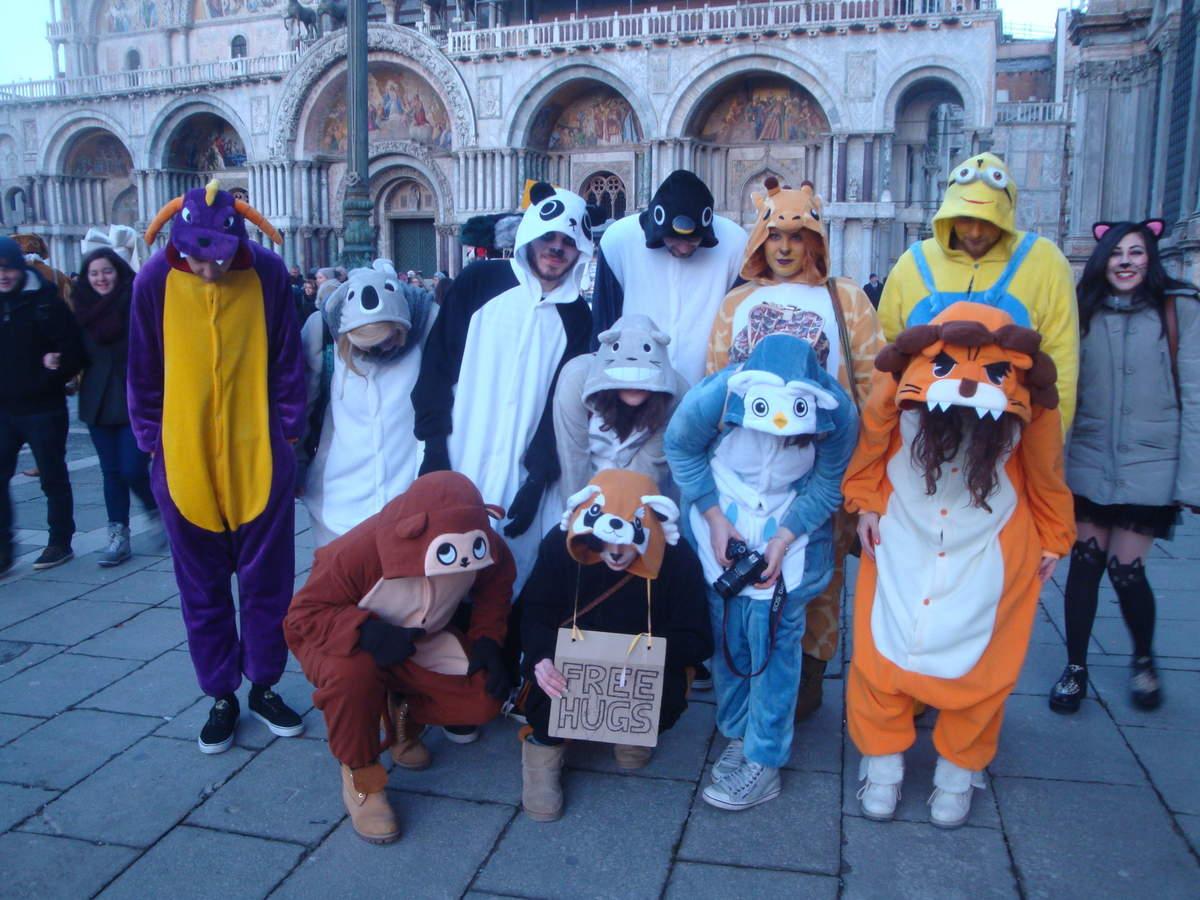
(367, 454)
(638, 273)
(483, 400)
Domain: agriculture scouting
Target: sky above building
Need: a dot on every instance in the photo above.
(27, 57)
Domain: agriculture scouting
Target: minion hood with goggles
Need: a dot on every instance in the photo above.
(622, 507)
(980, 188)
(209, 224)
(681, 207)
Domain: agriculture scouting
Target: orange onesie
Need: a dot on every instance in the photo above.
(944, 612)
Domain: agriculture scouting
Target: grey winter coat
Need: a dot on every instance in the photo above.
(1131, 441)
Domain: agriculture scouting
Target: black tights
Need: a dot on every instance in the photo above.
(1088, 564)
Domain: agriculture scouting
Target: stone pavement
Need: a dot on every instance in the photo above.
(103, 791)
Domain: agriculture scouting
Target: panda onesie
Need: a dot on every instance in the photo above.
(367, 454)
(483, 400)
(636, 273)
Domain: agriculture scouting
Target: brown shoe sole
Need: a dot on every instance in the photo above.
(378, 839)
(541, 816)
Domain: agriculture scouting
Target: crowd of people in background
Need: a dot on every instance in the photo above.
(690, 454)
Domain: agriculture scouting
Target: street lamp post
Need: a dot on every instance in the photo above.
(358, 237)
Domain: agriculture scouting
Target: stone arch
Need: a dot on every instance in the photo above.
(929, 69)
(413, 50)
(684, 104)
(64, 132)
(395, 155)
(547, 82)
(174, 114)
(755, 183)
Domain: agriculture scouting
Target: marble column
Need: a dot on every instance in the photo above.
(306, 192)
(477, 165)
(867, 260)
(837, 229)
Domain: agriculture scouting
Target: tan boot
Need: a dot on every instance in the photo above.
(408, 751)
(363, 792)
(812, 676)
(541, 780)
(629, 757)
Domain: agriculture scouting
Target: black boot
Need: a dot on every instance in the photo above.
(1144, 687)
(1069, 691)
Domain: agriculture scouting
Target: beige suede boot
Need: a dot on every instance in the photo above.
(541, 777)
(408, 750)
(629, 757)
(812, 678)
(363, 792)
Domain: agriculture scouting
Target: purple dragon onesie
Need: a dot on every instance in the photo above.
(216, 394)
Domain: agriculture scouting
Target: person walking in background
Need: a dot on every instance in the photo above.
(1132, 460)
(102, 301)
(873, 289)
(40, 351)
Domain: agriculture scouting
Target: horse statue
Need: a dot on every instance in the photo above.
(298, 15)
(336, 10)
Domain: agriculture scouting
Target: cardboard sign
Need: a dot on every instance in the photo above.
(613, 695)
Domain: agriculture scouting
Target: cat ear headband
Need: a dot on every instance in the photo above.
(1155, 226)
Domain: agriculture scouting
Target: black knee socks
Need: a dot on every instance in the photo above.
(1083, 587)
(1137, 602)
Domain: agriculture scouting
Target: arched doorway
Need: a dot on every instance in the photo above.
(930, 138)
(606, 192)
(204, 145)
(748, 126)
(407, 212)
(583, 130)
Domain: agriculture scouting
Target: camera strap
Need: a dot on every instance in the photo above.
(777, 599)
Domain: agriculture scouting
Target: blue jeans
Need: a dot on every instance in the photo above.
(125, 468)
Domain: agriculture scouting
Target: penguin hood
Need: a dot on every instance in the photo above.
(554, 209)
(980, 187)
(625, 508)
(791, 211)
(783, 390)
(681, 207)
(632, 356)
(439, 526)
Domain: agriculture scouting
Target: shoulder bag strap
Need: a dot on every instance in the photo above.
(1171, 325)
(587, 609)
(844, 334)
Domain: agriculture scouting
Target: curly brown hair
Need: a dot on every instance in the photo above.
(942, 433)
(625, 419)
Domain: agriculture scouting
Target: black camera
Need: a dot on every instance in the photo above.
(747, 568)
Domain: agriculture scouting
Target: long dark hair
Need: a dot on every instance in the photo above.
(625, 419)
(1093, 285)
(83, 289)
(943, 432)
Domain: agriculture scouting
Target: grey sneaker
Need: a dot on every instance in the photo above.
(745, 787)
(118, 549)
(729, 761)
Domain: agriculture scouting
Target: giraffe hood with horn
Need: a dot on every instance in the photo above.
(216, 392)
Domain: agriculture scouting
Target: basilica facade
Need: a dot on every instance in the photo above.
(871, 100)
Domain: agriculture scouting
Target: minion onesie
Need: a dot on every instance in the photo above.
(216, 394)
(945, 599)
(1024, 275)
(837, 318)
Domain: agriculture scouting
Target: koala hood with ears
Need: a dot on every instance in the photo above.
(632, 356)
(622, 507)
(782, 390)
(374, 305)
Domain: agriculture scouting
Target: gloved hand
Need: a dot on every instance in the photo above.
(486, 655)
(389, 645)
(524, 507)
(437, 456)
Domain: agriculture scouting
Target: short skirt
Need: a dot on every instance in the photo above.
(1153, 521)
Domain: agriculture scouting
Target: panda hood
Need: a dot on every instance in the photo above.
(783, 390)
(554, 209)
(622, 507)
(681, 207)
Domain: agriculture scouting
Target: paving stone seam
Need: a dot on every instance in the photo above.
(648, 776)
(492, 852)
(200, 826)
(58, 648)
(859, 817)
(758, 867)
(697, 786)
(1014, 867)
(459, 797)
(41, 721)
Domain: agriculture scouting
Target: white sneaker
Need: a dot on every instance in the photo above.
(747, 786)
(729, 761)
(880, 793)
(950, 802)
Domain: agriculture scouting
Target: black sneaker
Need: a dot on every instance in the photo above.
(1069, 691)
(461, 734)
(218, 731)
(54, 555)
(1144, 687)
(268, 707)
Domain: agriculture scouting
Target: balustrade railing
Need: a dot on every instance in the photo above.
(1030, 113)
(211, 72)
(655, 23)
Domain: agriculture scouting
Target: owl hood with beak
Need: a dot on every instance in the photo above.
(209, 224)
(783, 390)
(625, 508)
